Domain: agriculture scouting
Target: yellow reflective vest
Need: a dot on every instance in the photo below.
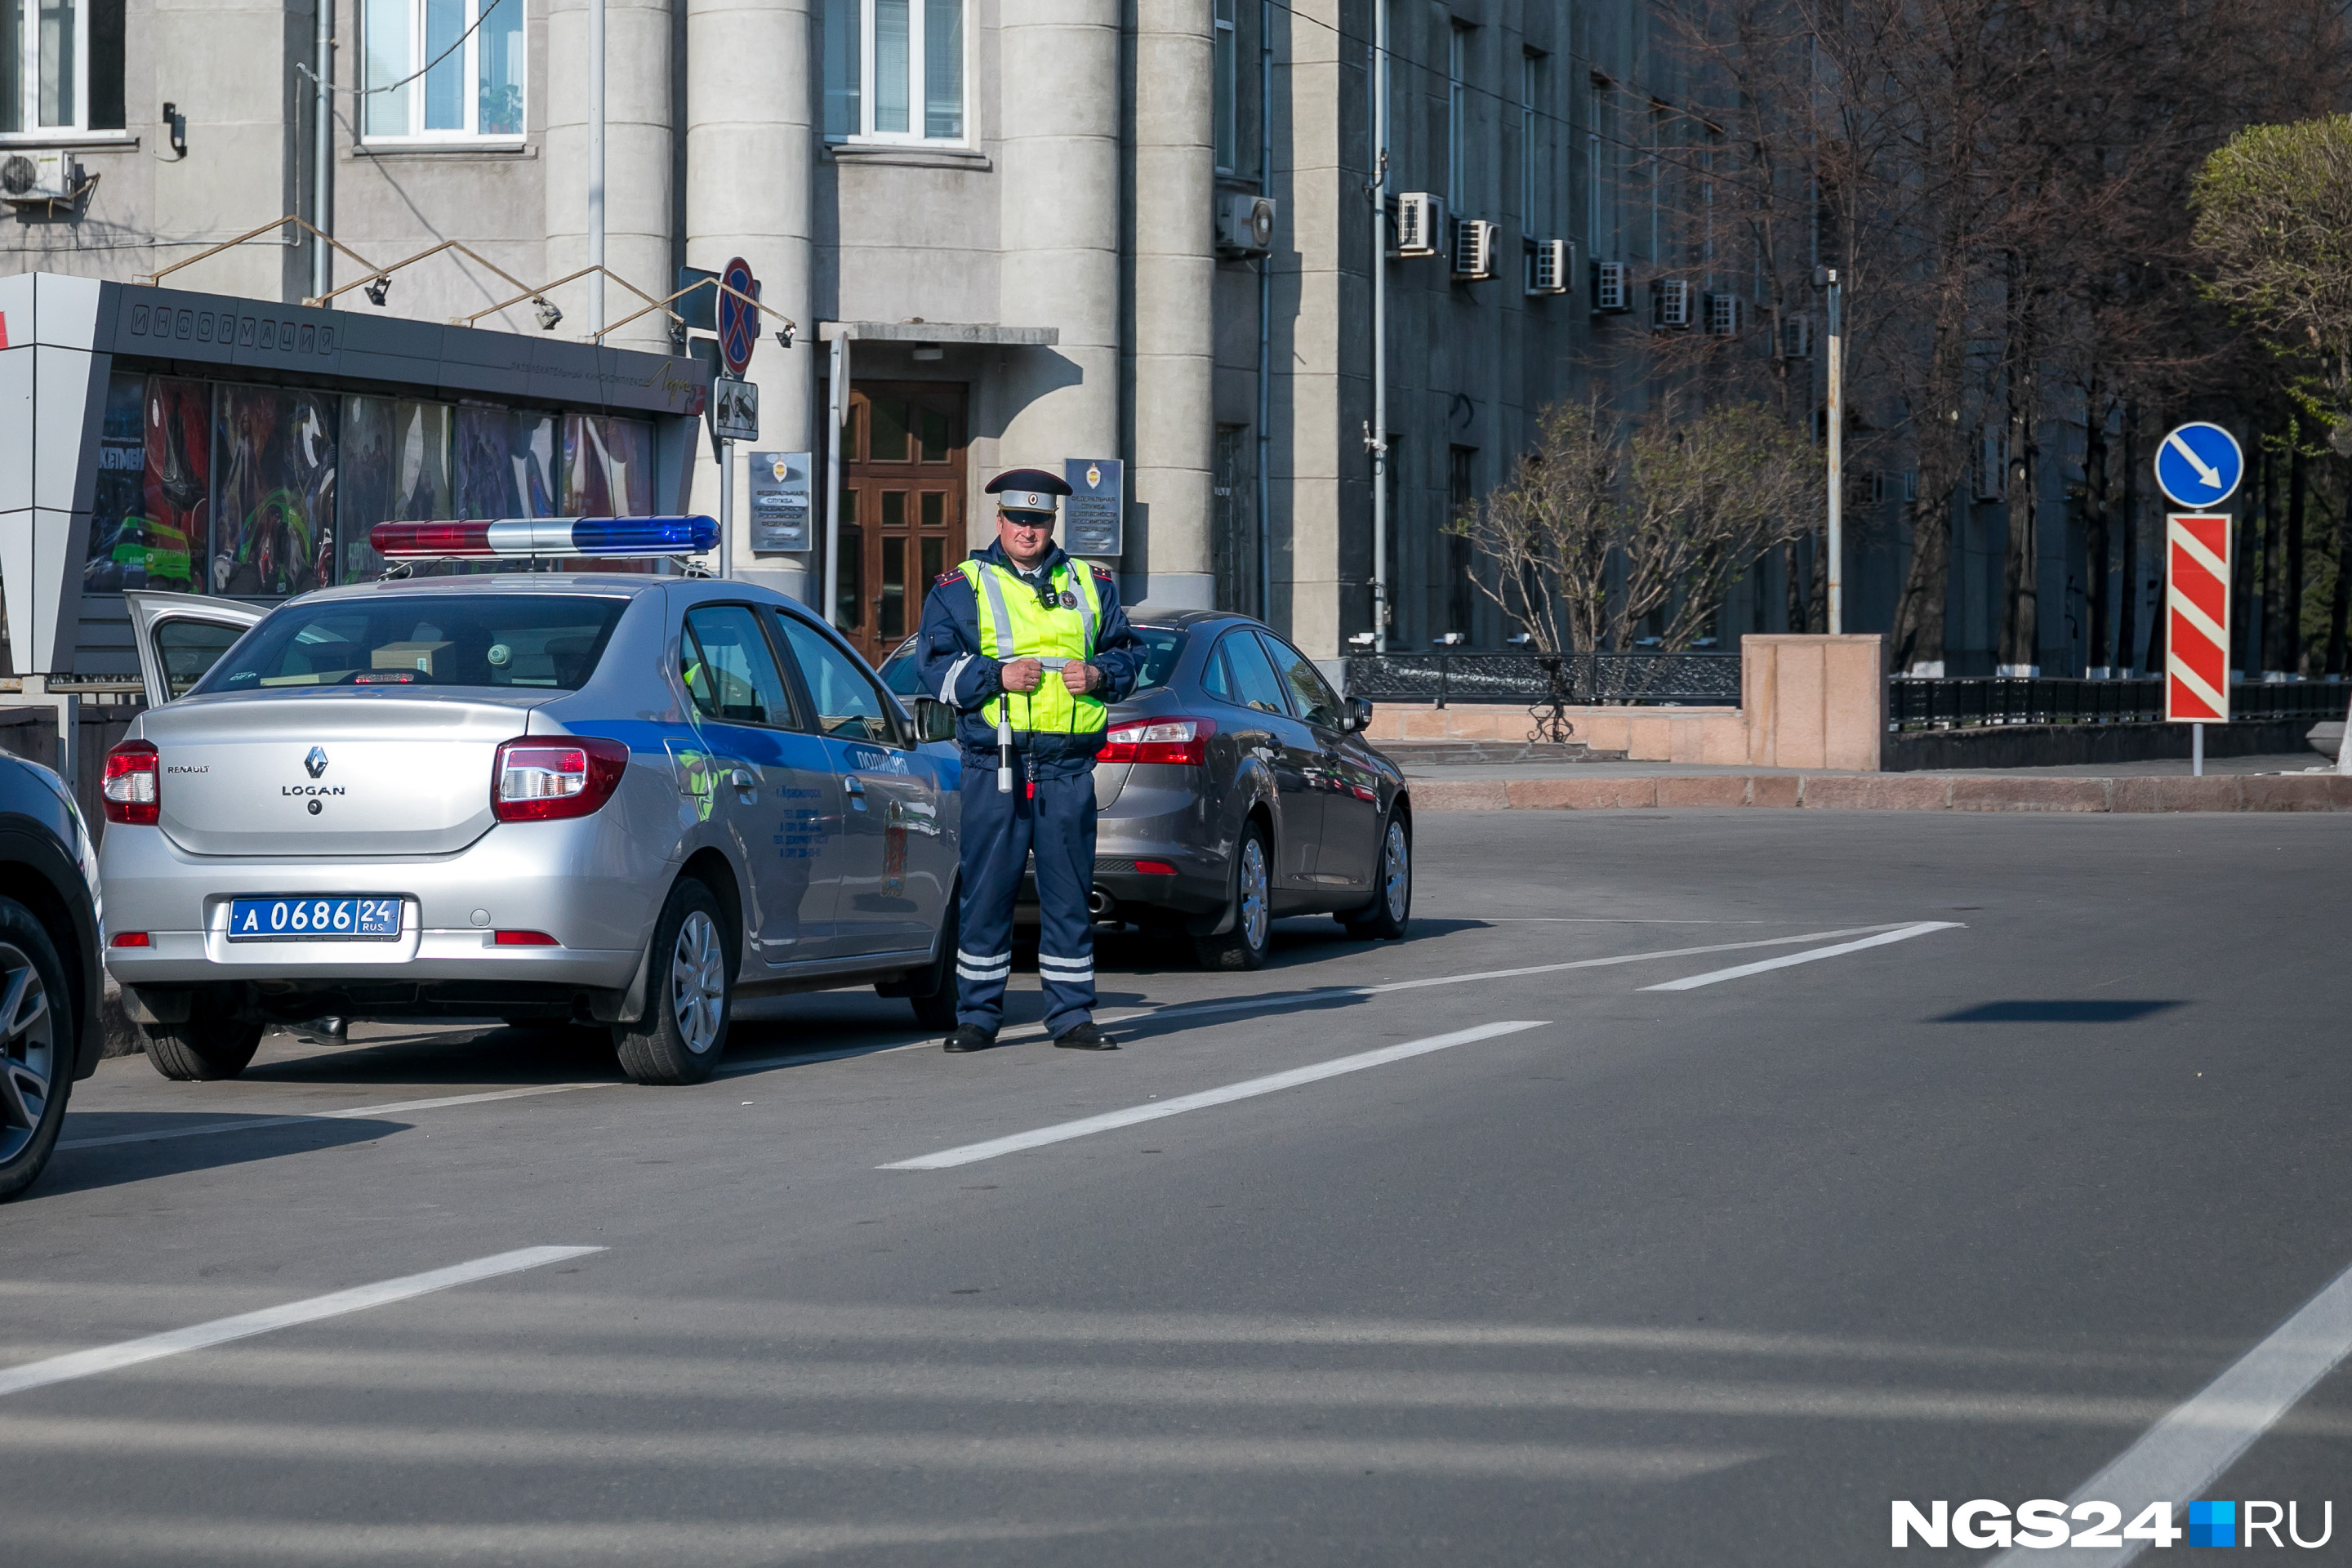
(1014, 624)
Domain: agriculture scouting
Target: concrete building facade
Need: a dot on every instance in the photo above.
(1006, 230)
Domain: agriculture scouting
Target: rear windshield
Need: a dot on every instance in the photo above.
(543, 642)
(1162, 646)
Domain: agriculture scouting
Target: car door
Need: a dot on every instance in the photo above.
(897, 858)
(771, 781)
(1290, 754)
(180, 637)
(1349, 835)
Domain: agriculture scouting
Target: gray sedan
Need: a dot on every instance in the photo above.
(1235, 787)
(613, 799)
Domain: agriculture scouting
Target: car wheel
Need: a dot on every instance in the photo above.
(1245, 946)
(690, 988)
(934, 997)
(1385, 917)
(36, 1047)
(212, 1044)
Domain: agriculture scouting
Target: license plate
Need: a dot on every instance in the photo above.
(337, 917)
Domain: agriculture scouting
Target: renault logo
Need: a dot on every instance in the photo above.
(316, 762)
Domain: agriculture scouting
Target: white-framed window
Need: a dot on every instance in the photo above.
(894, 71)
(1227, 107)
(442, 70)
(60, 68)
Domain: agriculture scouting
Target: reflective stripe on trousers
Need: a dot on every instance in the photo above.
(1001, 833)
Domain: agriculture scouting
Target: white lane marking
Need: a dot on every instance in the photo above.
(1244, 1090)
(220, 1331)
(391, 1107)
(1692, 982)
(2184, 1453)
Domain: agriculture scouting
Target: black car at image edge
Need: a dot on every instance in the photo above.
(49, 981)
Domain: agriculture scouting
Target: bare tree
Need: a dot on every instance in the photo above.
(1607, 524)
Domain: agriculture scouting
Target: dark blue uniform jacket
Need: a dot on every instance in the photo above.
(951, 633)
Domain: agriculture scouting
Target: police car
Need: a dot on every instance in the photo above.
(617, 799)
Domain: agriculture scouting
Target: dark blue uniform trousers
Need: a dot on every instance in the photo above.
(1000, 833)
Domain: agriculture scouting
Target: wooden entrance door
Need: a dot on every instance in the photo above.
(902, 505)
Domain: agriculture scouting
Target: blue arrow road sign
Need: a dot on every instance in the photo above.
(2199, 465)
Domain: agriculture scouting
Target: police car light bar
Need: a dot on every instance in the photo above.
(486, 538)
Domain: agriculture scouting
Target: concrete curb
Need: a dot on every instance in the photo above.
(1891, 792)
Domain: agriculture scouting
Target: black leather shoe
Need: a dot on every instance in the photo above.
(967, 1038)
(1085, 1037)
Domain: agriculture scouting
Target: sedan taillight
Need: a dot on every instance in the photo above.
(133, 789)
(1184, 741)
(570, 775)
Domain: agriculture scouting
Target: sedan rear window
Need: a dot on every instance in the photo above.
(543, 642)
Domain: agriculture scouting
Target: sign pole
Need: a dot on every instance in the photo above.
(2197, 750)
(727, 508)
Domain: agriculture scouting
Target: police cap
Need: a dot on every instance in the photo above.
(1029, 491)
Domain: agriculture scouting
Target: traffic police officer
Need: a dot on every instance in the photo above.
(1030, 648)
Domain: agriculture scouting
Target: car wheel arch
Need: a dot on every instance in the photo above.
(31, 886)
(710, 868)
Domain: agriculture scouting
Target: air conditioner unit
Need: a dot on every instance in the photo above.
(1474, 250)
(1420, 224)
(36, 176)
(1796, 337)
(1609, 294)
(1726, 315)
(1669, 304)
(1549, 265)
(1244, 225)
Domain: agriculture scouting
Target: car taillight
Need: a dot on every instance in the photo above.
(536, 781)
(133, 789)
(1184, 741)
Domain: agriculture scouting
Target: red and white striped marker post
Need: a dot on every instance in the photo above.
(2197, 624)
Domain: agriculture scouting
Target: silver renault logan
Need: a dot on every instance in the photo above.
(617, 800)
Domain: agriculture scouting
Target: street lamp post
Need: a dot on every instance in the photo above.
(1826, 280)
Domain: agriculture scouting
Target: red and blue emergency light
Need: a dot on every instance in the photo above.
(486, 538)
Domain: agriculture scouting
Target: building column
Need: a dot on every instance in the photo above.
(636, 163)
(1169, 556)
(750, 152)
(1058, 74)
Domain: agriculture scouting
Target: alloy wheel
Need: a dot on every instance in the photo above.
(697, 982)
(1254, 898)
(28, 1050)
(1396, 870)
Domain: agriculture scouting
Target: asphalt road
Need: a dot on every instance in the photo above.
(1707, 1276)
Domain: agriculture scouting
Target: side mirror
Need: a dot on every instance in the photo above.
(1360, 714)
(934, 720)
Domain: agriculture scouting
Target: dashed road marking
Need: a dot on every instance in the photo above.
(1247, 1088)
(220, 1331)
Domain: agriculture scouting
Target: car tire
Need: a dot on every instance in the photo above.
(37, 1046)
(1245, 946)
(1386, 916)
(212, 1044)
(934, 998)
(689, 992)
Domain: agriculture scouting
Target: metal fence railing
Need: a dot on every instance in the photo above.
(1577, 679)
(1967, 703)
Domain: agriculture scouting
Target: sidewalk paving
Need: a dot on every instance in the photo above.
(2281, 783)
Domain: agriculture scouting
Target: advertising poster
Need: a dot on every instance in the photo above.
(273, 522)
(396, 460)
